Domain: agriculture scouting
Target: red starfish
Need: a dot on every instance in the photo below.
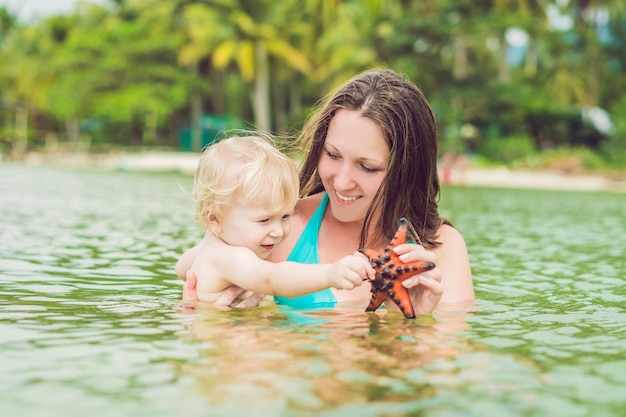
(391, 272)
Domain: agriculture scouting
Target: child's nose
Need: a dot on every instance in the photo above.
(278, 230)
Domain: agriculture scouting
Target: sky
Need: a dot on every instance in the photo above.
(29, 10)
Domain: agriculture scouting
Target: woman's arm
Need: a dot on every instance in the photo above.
(456, 272)
(232, 296)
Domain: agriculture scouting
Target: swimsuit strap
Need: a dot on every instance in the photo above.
(305, 251)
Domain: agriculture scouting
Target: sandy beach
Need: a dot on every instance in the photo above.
(186, 162)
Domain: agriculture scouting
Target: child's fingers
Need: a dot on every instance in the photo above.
(352, 277)
(368, 272)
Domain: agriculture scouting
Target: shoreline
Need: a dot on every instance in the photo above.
(186, 163)
(548, 180)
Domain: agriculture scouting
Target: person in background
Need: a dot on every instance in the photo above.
(370, 159)
(244, 191)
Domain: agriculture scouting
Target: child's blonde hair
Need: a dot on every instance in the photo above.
(247, 168)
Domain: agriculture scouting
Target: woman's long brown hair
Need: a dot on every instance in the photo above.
(411, 186)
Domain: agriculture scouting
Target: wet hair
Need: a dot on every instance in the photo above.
(410, 188)
(246, 170)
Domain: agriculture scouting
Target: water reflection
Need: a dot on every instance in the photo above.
(314, 361)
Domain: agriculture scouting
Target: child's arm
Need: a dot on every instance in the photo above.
(292, 279)
(185, 261)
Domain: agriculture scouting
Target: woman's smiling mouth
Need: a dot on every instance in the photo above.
(346, 198)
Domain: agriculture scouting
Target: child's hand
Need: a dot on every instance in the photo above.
(350, 271)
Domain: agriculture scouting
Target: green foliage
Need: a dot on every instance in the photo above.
(614, 148)
(567, 160)
(507, 149)
(8, 21)
(147, 68)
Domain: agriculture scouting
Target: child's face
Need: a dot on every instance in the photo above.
(254, 227)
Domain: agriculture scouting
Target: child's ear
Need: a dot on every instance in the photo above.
(213, 222)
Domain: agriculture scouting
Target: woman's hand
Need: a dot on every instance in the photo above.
(236, 297)
(426, 288)
(232, 296)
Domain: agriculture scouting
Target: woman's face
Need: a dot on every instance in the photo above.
(353, 164)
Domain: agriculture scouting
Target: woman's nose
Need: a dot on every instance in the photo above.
(343, 178)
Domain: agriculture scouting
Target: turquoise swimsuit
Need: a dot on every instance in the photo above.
(305, 251)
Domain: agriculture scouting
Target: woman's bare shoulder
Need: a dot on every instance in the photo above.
(453, 248)
(453, 260)
(305, 207)
(448, 234)
(304, 210)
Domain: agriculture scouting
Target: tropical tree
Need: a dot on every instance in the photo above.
(143, 81)
(530, 16)
(8, 22)
(11, 105)
(241, 34)
(140, 68)
(591, 21)
(22, 72)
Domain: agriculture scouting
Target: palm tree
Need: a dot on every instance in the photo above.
(241, 34)
(528, 15)
(588, 17)
(27, 78)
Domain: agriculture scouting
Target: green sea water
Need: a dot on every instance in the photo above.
(91, 321)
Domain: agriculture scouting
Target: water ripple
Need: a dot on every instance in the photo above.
(91, 321)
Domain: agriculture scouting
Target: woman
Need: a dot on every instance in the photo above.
(371, 158)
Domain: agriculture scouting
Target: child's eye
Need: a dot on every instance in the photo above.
(264, 220)
(286, 216)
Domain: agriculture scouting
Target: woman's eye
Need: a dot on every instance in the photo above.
(368, 169)
(332, 155)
